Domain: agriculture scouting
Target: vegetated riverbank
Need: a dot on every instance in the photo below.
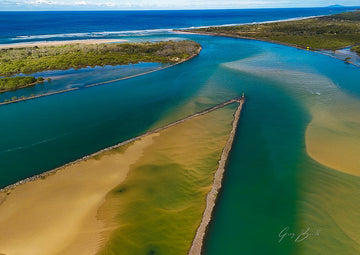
(356, 49)
(327, 32)
(36, 59)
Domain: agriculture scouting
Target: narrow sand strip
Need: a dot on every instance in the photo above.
(58, 43)
(197, 244)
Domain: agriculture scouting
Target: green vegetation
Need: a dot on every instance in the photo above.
(35, 59)
(13, 83)
(356, 49)
(327, 32)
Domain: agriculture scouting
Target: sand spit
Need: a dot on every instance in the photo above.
(57, 43)
(197, 244)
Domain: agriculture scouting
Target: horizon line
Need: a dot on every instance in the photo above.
(195, 9)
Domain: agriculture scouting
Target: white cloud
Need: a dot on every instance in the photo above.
(109, 4)
(81, 3)
(38, 2)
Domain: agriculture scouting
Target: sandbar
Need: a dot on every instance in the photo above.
(58, 43)
(58, 214)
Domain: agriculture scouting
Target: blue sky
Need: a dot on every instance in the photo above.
(6, 5)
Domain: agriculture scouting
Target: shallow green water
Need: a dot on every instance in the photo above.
(270, 182)
(160, 203)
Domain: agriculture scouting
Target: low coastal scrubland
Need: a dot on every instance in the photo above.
(356, 49)
(34, 59)
(12, 83)
(327, 32)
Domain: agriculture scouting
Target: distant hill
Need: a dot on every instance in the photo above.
(335, 6)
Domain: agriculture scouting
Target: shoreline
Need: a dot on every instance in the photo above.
(315, 50)
(100, 83)
(241, 37)
(211, 198)
(57, 43)
(21, 87)
(8, 188)
(248, 23)
(49, 43)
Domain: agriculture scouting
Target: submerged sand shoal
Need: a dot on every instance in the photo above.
(63, 212)
(161, 203)
(332, 137)
(57, 215)
(58, 43)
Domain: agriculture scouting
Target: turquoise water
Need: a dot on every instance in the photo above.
(67, 79)
(267, 183)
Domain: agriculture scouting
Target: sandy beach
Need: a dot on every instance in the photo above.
(58, 43)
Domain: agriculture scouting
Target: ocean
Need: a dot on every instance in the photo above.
(271, 183)
(55, 25)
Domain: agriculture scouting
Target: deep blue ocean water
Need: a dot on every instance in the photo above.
(33, 26)
(270, 182)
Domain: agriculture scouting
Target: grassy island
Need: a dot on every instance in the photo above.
(29, 60)
(13, 83)
(326, 32)
(35, 59)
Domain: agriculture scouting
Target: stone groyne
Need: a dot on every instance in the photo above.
(198, 241)
(47, 173)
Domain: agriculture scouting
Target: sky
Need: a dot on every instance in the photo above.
(28, 5)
